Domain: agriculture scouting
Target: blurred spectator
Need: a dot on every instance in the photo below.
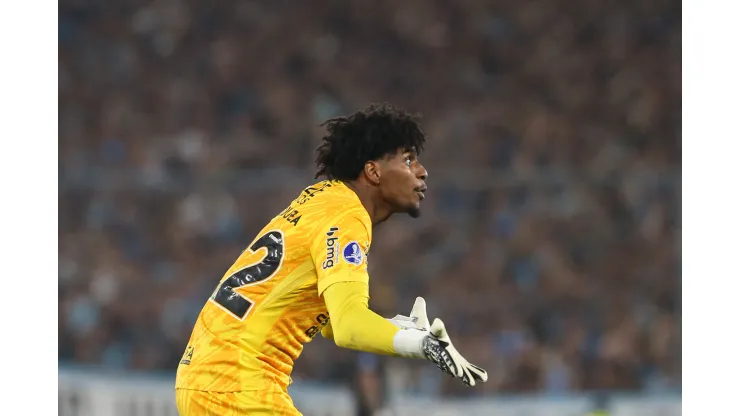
(550, 240)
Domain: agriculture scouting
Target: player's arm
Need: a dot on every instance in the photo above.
(416, 320)
(339, 254)
(356, 327)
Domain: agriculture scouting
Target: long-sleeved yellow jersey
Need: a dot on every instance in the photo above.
(271, 301)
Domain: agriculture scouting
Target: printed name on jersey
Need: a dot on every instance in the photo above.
(332, 249)
(353, 253)
(311, 191)
(291, 215)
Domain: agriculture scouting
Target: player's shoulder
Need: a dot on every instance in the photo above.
(321, 202)
(322, 192)
(332, 204)
(342, 203)
(329, 198)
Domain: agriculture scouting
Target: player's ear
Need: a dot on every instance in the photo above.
(372, 172)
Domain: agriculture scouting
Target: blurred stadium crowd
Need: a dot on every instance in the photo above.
(550, 241)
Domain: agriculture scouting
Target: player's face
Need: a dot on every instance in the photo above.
(402, 184)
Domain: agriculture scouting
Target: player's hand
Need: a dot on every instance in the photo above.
(416, 320)
(437, 348)
(436, 345)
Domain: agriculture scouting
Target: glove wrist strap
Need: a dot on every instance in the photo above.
(408, 343)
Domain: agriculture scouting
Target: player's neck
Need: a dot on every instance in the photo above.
(369, 198)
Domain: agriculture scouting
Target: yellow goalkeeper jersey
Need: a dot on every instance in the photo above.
(268, 304)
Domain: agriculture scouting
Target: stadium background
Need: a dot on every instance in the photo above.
(550, 238)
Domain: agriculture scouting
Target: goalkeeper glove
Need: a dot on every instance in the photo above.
(437, 348)
(416, 320)
(417, 339)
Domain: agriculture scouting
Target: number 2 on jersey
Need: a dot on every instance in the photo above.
(228, 298)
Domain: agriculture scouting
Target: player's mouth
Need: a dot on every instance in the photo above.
(421, 193)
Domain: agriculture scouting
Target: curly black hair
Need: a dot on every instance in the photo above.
(371, 134)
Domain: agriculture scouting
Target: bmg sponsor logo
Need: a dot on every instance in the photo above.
(332, 249)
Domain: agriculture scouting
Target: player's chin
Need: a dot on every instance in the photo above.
(414, 211)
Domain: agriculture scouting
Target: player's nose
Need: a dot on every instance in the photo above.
(422, 173)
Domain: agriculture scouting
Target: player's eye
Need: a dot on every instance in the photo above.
(408, 161)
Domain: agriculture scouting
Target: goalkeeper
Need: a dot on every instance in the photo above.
(306, 272)
(387, 179)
